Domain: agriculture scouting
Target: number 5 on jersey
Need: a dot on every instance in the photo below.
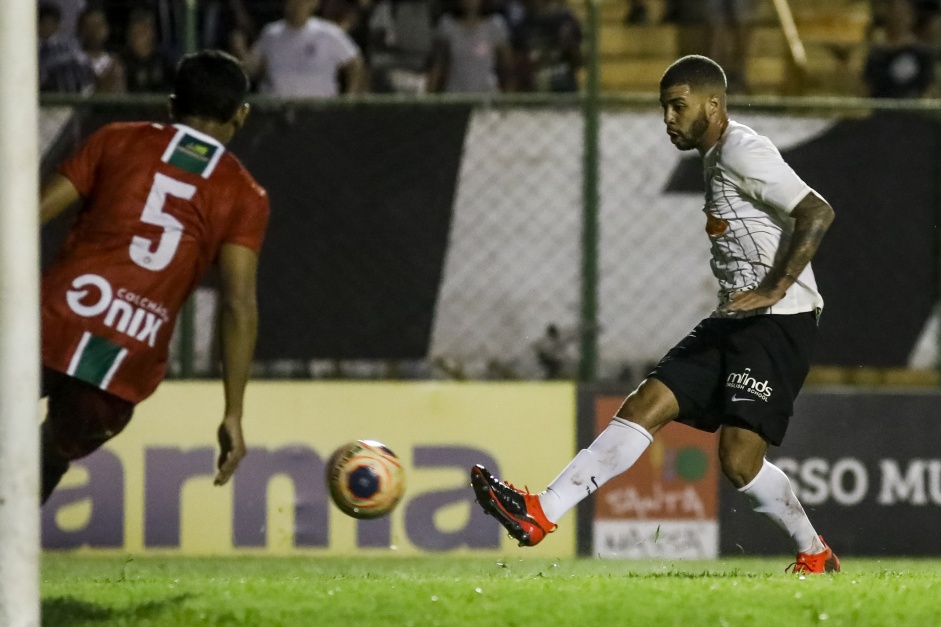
(142, 249)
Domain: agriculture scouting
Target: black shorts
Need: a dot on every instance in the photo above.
(743, 372)
(80, 417)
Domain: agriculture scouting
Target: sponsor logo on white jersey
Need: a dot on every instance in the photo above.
(126, 312)
(745, 382)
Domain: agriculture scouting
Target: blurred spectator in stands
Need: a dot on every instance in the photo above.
(215, 20)
(219, 18)
(898, 64)
(62, 66)
(555, 352)
(402, 34)
(353, 17)
(146, 67)
(928, 31)
(304, 56)
(471, 52)
(264, 11)
(116, 15)
(49, 22)
(928, 22)
(238, 42)
(93, 35)
(877, 12)
(639, 13)
(728, 33)
(170, 18)
(547, 45)
(69, 10)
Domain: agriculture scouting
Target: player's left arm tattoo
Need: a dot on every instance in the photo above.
(812, 217)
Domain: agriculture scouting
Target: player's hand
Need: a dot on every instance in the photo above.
(231, 448)
(758, 298)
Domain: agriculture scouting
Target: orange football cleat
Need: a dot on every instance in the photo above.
(519, 512)
(816, 563)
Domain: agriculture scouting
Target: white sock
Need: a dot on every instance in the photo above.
(771, 494)
(614, 451)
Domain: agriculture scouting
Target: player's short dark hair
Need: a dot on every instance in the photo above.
(209, 84)
(695, 70)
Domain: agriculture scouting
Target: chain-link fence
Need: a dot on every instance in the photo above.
(430, 239)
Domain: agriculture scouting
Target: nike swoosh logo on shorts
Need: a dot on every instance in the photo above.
(736, 399)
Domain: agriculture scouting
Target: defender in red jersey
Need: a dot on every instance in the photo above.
(160, 204)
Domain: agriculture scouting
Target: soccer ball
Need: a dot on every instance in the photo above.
(366, 479)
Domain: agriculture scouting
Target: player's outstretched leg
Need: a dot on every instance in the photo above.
(518, 511)
(741, 453)
(771, 494)
(529, 517)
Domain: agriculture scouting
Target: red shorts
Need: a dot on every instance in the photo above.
(80, 417)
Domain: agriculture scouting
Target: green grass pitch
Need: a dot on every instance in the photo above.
(513, 591)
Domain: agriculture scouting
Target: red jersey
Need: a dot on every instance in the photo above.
(160, 201)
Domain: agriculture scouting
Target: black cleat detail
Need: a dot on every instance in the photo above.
(502, 502)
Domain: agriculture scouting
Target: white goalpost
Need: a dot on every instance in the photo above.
(19, 317)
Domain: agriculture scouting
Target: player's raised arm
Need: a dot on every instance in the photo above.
(812, 217)
(57, 195)
(239, 325)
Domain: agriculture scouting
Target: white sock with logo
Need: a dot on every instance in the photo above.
(614, 451)
(771, 494)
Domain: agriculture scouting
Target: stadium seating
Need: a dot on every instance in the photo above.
(833, 33)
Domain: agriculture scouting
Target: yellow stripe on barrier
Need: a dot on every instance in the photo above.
(150, 489)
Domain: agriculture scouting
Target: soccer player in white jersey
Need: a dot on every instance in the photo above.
(739, 371)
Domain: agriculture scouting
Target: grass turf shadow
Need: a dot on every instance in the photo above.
(69, 611)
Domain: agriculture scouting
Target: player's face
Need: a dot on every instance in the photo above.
(684, 113)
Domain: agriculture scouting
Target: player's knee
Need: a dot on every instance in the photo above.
(651, 406)
(629, 410)
(741, 455)
(739, 466)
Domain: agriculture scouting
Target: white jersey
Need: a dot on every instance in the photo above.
(303, 61)
(750, 193)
